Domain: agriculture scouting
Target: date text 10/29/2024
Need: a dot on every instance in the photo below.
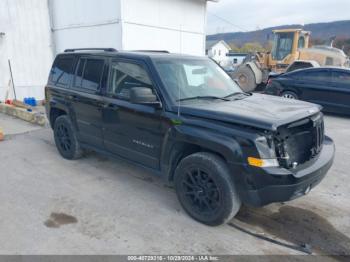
(173, 258)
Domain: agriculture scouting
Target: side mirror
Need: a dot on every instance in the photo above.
(143, 95)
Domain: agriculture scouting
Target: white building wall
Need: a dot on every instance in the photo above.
(173, 25)
(27, 43)
(85, 23)
(36, 30)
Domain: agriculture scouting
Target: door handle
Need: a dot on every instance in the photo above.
(73, 97)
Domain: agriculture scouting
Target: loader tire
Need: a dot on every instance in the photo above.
(245, 78)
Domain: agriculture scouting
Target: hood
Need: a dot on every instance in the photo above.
(260, 111)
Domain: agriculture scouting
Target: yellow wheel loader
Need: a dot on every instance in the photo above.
(290, 50)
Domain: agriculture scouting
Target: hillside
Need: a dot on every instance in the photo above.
(320, 32)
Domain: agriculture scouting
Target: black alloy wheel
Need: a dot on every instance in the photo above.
(204, 186)
(66, 139)
(201, 191)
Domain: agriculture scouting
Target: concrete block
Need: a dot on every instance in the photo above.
(1, 135)
(23, 114)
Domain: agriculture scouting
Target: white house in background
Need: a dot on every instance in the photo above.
(32, 32)
(217, 50)
(236, 58)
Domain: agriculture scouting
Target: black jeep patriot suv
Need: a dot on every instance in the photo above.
(185, 119)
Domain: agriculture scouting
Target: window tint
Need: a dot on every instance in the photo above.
(79, 75)
(316, 76)
(283, 46)
(104, 81)
(329, 61)
(125, 76)
(301, 42)
(92, 74)
(341, 77)
(62, 71)
(298, 65)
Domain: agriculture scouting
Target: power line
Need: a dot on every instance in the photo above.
(227, 21)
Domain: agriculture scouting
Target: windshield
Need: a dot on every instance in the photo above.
(194, 78)
(283, 45)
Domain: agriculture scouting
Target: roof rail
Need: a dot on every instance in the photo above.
(92, 49)
(152, 51)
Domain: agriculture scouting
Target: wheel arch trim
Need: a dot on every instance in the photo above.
(188, 140)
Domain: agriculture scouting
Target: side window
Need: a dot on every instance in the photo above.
(341, 77)
(79, 75)
(92, 74)
(104, 81)
(329, 61)
(125, 76)
(317, 76)
(301, 42)
(89, 74)
(62, 71)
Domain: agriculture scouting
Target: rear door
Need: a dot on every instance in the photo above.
(58, 87)
(340, 94)
(314, 86)
(86, 99)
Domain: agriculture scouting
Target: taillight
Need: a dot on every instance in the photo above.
(269, 82)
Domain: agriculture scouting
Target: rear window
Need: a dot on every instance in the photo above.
(314, 75)
(318, 76)
(62, 71)
(89, 74)
(341, 77)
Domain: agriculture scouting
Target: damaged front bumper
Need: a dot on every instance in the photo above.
(263, 186)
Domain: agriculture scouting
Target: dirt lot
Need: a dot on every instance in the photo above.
(102, 206)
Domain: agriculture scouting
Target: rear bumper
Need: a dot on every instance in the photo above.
(281, 185)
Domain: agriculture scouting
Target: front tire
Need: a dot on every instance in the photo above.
(290, 95)
(205, 189)
(66, 139)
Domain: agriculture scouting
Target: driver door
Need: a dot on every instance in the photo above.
(132, 131)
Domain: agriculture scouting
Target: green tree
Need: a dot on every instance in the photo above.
(234, 47)
(252, 47)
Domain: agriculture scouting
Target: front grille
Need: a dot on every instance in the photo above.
(318, 136)
(300, 141)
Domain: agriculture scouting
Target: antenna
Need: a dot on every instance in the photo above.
(177, 74)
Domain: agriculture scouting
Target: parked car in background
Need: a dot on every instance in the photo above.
(329, 87)
(302, 64)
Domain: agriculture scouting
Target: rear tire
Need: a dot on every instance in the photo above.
(205, 189)
(290, 95)
(246, 78)
(66, 139)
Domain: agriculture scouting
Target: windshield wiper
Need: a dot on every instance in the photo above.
(202, 97)
(237, 93)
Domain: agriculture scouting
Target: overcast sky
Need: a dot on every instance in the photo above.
(248, 15)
